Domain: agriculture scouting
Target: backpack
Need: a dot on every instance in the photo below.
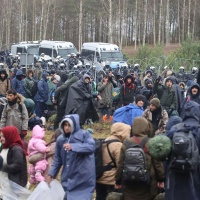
(34, 88)
(100, 169)
(135, 166)
(185, 153)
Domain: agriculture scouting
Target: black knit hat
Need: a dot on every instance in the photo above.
(140, 97)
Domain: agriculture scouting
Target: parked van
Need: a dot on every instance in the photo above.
(30, 47)
(103, 53)
(56, 48)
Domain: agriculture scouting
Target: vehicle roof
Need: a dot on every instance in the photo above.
(101, 45)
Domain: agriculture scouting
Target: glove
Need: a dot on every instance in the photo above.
(24, 133)
(94, 95)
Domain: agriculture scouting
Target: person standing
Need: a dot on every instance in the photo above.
(15, 113)
(75, 154)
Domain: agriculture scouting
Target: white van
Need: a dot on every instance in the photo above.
(56, 48)
(103, 53)
(30, 47)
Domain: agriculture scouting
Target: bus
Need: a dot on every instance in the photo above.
(56, 48)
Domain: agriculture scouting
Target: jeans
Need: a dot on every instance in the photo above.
(102, 191)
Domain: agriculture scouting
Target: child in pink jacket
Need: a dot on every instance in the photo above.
(37, 145)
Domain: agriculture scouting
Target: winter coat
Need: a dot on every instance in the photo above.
(62, 91)
(28, 84)
(166, 95)
(78, 172)
(192, 97)
(140, 129)
(36, 143)
(127, 94)
(16, 166)
(15, 116)
(43, 89)
(80, 101)
(52, 87)
(185, 186)
(161, 118)
(18, 83)
(105, 91)
(50, 158)
(4, 84)
(120, 132)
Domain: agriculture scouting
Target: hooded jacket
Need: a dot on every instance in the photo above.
(141, 128)
(79, 101)
(5, 83)
(43, 89)
(18, 83)
(78, 172)
(185, 186)
(15, 116)
(36, 143)
(119, 131)
(196, 97)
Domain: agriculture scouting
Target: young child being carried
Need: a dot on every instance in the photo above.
(37, 150)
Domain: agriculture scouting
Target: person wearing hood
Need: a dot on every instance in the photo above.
(61, 95)
(75, 154)
(42, 95)
(156, 115)
(167, 95)
(127, 91)
(185, 186)
(4, 82)
(29, 83)
(15, 113)
(18, 83)
(141, 129)
(80, 102)
(37, 146)
(194, 93)
(105, 184)
(105, 88)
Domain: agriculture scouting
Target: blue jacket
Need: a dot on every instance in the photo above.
(127, 114)
(18, 83)
(43, 89)
(78, 173)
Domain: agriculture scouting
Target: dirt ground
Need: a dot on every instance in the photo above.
(131, 51)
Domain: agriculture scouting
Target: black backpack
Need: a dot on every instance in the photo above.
(100, 169)
(135, 166)
(34, 88)
(185, 153)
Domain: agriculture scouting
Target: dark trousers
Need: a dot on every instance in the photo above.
(102, 191)
(40, 107)
(59, 116)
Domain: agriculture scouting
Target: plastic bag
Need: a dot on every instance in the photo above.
(43, 191)
(57, 192)
(12, 191)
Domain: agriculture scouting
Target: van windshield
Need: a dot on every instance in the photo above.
(64, 52)
(33, 50)
(111, 56)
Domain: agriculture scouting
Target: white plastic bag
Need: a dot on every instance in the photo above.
(57, 192)
(12, 191)
(43, 191)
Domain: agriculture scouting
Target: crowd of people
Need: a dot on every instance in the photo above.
(140, 105)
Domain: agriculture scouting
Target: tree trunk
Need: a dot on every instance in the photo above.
(80, 25)
(167, 27)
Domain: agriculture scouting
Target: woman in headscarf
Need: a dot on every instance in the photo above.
(14, 156)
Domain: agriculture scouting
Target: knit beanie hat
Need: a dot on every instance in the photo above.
(155, 102)
(140, 97)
